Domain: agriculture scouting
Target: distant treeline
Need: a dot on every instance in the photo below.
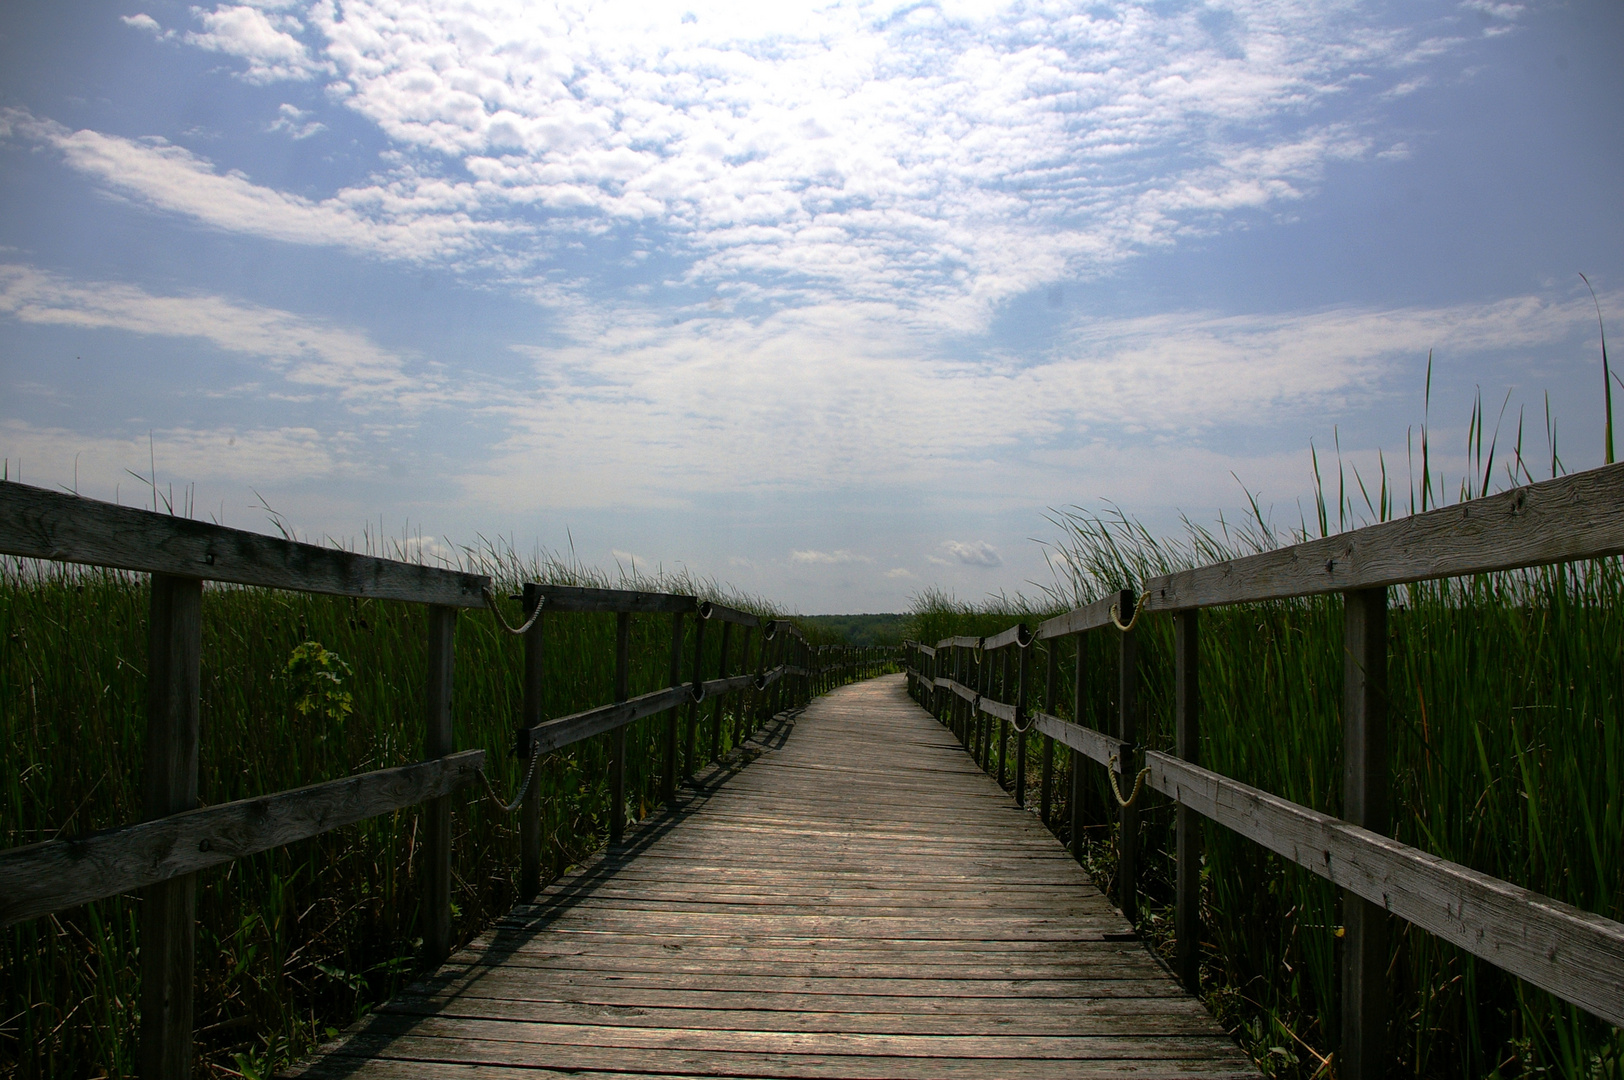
(856, 629)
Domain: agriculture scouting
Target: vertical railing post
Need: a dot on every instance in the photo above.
(1128, 732)
(1078, 702)
(438, 742)
(531, 715)
(668, 781)
(983, 723)
(719, 713)
(1024, 666)
(1051, 679)
(1187, 745)
(617, 737)
(1003, 725)
(1363, 1054)
(169, 786)
(692, 735)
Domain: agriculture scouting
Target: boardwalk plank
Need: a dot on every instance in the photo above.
(859, 902)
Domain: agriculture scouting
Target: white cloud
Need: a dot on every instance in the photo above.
(826, 558)
(899, 573)
(627, 409)
(299, 350)
(295, 123)
(142, 21)
(171, 178)
(266, 42)
(229, 455)
(972, 553)
(935, 160)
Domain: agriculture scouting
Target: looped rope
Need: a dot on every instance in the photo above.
(1138, 784)
(501, 620)
(1116, 614)
(696, 692)
(1016, 723)
(524, 788)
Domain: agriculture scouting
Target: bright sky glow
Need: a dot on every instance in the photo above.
(829, 301)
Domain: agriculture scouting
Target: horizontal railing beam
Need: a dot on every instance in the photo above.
(1094, 745)
(1575, 954)
(1019, 634)
(960, 642)
(40, 524)
(1088, 617)
(1571, 517)
(576, 598)
(723, 613)
(41, 878)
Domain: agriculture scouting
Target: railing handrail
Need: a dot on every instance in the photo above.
(55, 526)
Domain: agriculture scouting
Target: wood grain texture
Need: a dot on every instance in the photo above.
(1095, 745)
(723, 613)
(1575, 954)
(41, 878)
(579, 598)
(1019, 634)
(1088, 617)
(1571, 517)
(39, 524)
(848, 897)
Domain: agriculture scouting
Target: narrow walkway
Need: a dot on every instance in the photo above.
(860, 901)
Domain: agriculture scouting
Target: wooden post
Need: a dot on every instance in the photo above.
(532, 714)
(1003, 725)
(1187, 745)
(693, 706)
(668, 782)
(1363, 1054)
(984, 675)
(437, 813)
(1024, 669)
(1077, 712)
(1128, 732)
(617, 737)
(1046, 784)
(719, 713)
(169, 786)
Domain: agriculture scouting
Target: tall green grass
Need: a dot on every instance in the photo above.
(1506, 755)
(297, 942)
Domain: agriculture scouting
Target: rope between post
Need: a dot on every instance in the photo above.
(524, 788)
(501, 620)
(1116, 613)
(1138, 784)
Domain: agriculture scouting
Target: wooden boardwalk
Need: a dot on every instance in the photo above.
(859, 901)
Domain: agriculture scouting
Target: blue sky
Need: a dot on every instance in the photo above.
(827, 301)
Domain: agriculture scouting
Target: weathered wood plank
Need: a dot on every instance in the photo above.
(577, 598)
(862, 883)
(1019, 634)
(39, 524)
(1575, 954)
(723, 613)
(1571, 517)
(40, 878)
(1095, 745)
(1088, 617)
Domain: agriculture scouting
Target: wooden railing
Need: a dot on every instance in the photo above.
(161, 855)
(1576, 955)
